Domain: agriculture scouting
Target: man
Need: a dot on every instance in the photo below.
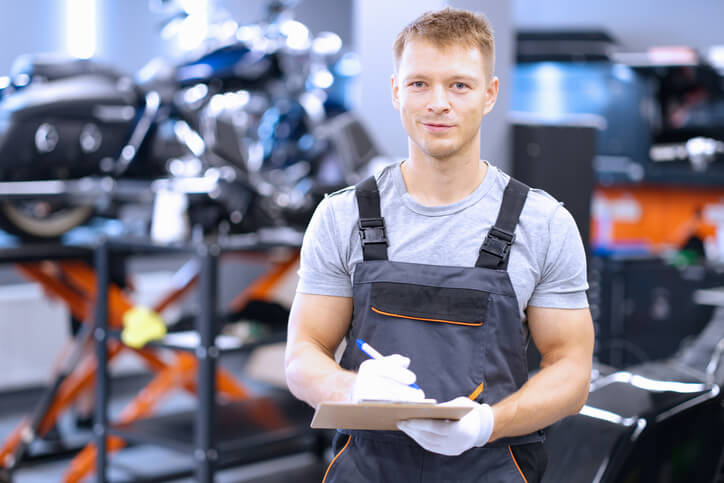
(445, 265)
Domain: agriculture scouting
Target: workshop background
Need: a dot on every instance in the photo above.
(157, 206)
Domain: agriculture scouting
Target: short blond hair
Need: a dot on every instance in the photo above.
(448, 27)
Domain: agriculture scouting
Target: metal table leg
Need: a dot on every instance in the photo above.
(206, 454)
(100, 332)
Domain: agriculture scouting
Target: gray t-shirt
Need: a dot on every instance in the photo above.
(547, 265)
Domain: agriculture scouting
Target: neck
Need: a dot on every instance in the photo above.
(438, 182)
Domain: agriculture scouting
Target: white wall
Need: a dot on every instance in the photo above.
(29, 26)
(637, 24)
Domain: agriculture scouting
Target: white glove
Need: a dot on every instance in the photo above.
(386, 379)
(452, 438)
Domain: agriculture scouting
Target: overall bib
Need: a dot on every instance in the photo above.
(461, 329)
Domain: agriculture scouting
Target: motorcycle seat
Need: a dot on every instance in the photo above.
(54, 66)
(70, 96)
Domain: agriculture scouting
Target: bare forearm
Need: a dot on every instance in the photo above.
(556, 391)
(317, 324)
(313, 376)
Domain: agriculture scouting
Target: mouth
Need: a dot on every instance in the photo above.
(437, 126)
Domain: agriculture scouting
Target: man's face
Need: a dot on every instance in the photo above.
(442, 96)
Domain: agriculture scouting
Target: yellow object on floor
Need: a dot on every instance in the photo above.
(140, 326)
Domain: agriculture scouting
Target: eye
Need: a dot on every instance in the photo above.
(417, 84)
(460, 85)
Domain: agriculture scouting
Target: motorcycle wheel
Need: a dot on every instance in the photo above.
(38, 220)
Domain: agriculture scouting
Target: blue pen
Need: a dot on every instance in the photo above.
(370, 351)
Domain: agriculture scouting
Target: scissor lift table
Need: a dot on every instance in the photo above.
(236, 427)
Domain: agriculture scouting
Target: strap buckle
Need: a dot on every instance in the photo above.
(498, 242)
(372, 231)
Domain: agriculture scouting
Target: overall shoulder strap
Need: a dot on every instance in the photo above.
(496, 247)
(371, 224)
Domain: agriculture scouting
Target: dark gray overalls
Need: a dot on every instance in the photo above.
(461, 329)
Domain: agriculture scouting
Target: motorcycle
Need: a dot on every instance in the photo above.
(656, 421)
(251, 129)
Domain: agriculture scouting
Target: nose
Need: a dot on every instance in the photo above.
(438, 101)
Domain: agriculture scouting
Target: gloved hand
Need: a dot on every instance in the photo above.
(387, 379)
(452, 438)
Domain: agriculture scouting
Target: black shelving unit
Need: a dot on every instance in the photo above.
(218, 433)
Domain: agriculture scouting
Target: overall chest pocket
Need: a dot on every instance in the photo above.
(442, 330)
(425, 303)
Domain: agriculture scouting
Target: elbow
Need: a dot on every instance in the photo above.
(288, 378)
(581, 396)
(575, 403)
(580, 402)
(293, 379)
(288, 365)
(291, 371)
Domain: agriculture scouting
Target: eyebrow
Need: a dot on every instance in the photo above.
(457, 77)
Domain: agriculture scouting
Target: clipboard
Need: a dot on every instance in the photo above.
(379, 415)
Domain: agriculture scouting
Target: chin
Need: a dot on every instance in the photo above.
(441, 152)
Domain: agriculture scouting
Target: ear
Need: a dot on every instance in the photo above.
(491, 94)
(395, 92)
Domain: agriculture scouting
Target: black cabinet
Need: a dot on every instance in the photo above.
(559, 160)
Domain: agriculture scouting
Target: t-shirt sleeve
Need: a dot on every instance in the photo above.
(563, 282)
(323, 269)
